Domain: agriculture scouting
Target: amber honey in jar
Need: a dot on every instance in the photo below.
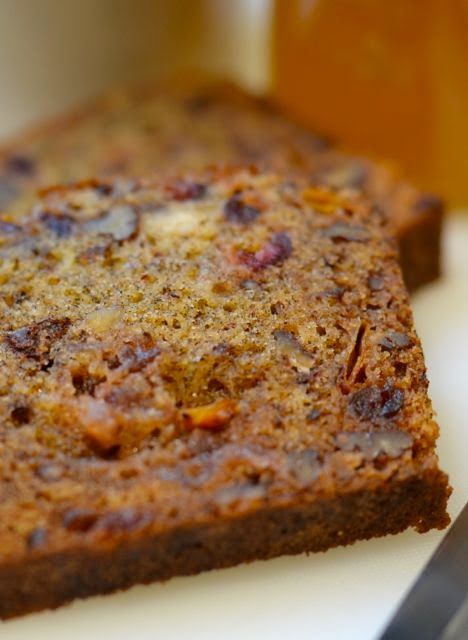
(387, 78)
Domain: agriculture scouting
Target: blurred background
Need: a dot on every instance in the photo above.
(55, 53)
(386, 78)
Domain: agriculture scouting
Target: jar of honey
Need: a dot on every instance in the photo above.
(386, 78)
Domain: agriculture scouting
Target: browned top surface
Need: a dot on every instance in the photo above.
(180, 351)
(190, 124)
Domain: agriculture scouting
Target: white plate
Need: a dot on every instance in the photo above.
(344, 593)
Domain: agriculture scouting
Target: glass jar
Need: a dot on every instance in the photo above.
(386, 78)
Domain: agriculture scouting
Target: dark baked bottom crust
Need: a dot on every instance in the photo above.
(50, 581)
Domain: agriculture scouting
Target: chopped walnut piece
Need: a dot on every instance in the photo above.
(101, 320)
(212, 416)
(342, 232)
(123, 520)
(94, 254)
(100, 426)
(375, 282)
(123, 415)
(349, 175)
(120, 222)
(299, 358)
(391, 443)
(304, 466)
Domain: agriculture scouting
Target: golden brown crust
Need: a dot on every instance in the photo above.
(200, 354)
(192, 123)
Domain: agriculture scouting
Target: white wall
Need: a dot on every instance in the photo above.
(56, 52)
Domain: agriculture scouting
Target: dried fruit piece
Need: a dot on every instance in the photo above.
(395, 340)
(343, 232)
(8, 228)
(313, 415)
(60, 224)
(181, 190)
(85, 383)
(21, 415)
(276, 251)
(79, 519)
(393, 400)
(120, 222)
(366, 403)
(391, 443)
(136, 354)
(236, 210)
(372, 403)
(36, 538)
(36, 340)
(322, 200)
(212, 416)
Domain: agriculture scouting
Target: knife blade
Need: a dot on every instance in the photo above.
(436, 605)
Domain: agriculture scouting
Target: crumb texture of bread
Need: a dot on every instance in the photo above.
(202, 370)
(197, 122)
